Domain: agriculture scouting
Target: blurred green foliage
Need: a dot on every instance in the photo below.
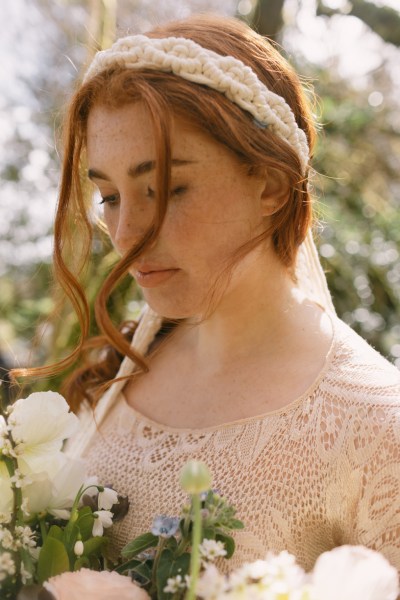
(356, 183)
(358, 162)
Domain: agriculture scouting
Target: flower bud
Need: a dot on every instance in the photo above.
(78, 548)
(195, 477)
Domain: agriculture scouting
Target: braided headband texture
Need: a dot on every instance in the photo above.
(226, 74)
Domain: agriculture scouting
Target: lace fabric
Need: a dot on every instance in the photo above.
(321, 472)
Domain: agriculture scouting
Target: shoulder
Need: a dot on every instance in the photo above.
(359, 373)
(358, 402)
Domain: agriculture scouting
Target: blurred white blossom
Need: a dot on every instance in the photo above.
(354, 573)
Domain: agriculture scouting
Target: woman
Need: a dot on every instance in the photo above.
(200, 149)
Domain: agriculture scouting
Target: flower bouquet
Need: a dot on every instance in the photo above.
(52, 516)
(52, 519)
(167, 560)
(52, 545)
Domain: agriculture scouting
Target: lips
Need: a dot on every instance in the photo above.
(149, 275)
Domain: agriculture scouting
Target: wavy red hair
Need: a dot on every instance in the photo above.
(166, 95)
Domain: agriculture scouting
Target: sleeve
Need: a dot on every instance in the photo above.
(377, 452)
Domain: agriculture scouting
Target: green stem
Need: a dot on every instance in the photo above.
(196, 540)
(160, 548)
(181, 548)
(185, 537)
(80, 493)
(12, 465)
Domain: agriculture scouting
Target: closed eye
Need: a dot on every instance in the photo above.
(178, 191)
(111, 199)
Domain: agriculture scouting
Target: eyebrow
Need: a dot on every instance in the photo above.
(138, 170)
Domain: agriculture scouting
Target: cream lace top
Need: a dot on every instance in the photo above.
(321, 472)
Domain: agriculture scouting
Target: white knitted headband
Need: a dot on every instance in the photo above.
(226, 74)
(240, 84)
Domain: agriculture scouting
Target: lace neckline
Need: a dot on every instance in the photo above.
(155, 425)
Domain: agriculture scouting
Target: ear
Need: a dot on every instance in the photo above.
(275, 193)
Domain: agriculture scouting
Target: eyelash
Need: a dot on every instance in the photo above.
(178, 191)
(109, 199)
(150, 193)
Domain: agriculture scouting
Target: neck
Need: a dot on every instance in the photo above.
(258, 313)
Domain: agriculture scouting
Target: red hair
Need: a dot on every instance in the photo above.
(166, 95)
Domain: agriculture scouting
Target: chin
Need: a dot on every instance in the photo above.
(170, 308)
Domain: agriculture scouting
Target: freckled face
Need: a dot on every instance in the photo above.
(214, 209)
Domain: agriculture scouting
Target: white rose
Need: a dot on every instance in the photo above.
(55, 495)
(39, 425)
(354, 573)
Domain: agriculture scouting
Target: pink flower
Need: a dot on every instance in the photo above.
(94, 585)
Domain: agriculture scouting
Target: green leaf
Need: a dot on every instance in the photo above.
(55, 532)
(127, 566)
(144, 571)
(85, 522)
(168, 567)
(81, 562)
(69, 540)
(94, 545)
(172, 543)
(53, 559)
(236, 524)
(229, 543)
(208, 534)
(139, 544)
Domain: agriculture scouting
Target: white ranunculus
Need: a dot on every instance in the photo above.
(39, 425)
(55, 495)
(354, 573)
(6, 494)
(86, 584)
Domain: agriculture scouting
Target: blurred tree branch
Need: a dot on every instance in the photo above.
(101, 27)
(383, 20)
(267, 18)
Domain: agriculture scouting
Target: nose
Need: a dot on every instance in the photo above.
(132, 224)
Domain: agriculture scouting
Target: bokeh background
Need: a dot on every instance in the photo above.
(348, 50)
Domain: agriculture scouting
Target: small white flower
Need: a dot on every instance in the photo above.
(6, 495)
(25, 507)
(26, 575)
(103, 519)
(5, 518)
(7, 565)
(78, 548)
(107, 499)
(174, 584)
(17, 479)
(211, 584)
(5, 444)
(25, 536)
(6, 539)
(34, 553)
(210, 550)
